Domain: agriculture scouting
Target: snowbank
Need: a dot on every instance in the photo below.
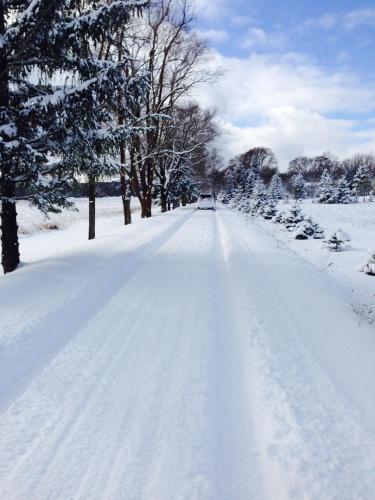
(358, 220)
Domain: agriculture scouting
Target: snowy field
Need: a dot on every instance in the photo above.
(188, 356)
(41, 236)
(358, 220)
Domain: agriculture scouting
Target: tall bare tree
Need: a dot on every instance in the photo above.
(174, 58)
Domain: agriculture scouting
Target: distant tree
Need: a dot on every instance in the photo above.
(326, 161)
(259, 197)
(297, 187)
(362, 181)
(369, 267)
(276, 188)
(300, 165)
(342, 191)
(337, 240)
(326, 192)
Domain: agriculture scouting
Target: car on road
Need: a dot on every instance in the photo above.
(206, 201)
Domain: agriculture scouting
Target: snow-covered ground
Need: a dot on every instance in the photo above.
(42, 236)
(189, 356)
(358, 220)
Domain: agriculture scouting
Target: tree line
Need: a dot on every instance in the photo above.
(91, 89)
(252, 181)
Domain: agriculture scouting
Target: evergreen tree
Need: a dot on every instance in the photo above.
(326, 192)
(276, 188)
(293, 218)
(28, 138)
(369, 267)
(308, 229)
(337, 240)
(362, 181)
(259, 197)
(40, 40)
(342, 192)
(269, 210)
(297, 187)
(94, 137)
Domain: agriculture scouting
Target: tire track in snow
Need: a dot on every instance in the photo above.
(311, 432)
(67, 451)
(23, 360)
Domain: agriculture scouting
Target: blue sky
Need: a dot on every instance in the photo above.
(298, 76)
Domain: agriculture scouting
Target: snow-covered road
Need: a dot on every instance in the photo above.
(190, 357)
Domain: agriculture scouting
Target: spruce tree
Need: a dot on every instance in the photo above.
(326, 192)
(342, 191)
(29, 138)
(276, 188)
(258, 197)
(40, 124)
(369, 267)
(362, 181)
(297, 187)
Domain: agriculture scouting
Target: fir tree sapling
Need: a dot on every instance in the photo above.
(308, 229)
(343, 192)
(369, 267)
(297, 187)
(276, 189)
(269, 211)
(326, 192)
(258, 197)
(280, 217)
(337, 240)
(362, 181)
(293, 218)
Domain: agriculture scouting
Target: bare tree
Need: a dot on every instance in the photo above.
(183, 139)
(174, 59)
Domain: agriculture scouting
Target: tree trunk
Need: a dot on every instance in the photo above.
(10, 256)
(124, 194)
(184, 199)
(143, 208)
(92, 196)
(163, 199)
(148, 206)
(169, 205)
(127, 211)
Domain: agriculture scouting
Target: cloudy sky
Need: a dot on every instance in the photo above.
(298, 75)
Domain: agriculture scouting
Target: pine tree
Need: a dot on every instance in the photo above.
(293, 218)
(259, 197)
(28, 138)
(43, 39)
(269, 210)
(297, 187)
(326, 192)
(342, 191)
(337, 240)
(308, 228)
(276, 188)
(362, 181)
(369, 267)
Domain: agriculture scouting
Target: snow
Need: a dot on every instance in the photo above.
(42, 236)
(191, 355)
(358, 221)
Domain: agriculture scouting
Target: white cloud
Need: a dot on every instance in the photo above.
(359, 17)
(287, 103)
(257, 38)
(350, 20)
(210, 8)
(212, 35)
